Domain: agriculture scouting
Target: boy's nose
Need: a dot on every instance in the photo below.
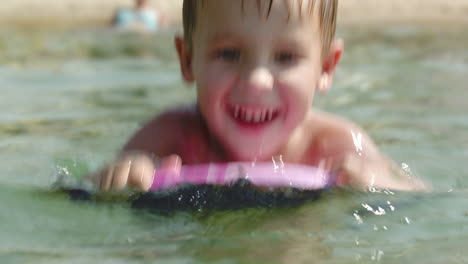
(259, 80)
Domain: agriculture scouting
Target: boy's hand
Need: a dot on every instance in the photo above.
(379, 173)
(132, 170)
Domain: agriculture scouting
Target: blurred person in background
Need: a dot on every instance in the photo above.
(142, 17)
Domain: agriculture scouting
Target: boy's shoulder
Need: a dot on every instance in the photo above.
(176, 116)
(166, 129)
(334, 135)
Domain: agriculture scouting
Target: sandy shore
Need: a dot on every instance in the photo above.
(85, 12)
(403, 11)
(75, 12)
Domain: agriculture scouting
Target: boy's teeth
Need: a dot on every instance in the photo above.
(257, 116)
(270, 114)
(253, 116)
(248, 115)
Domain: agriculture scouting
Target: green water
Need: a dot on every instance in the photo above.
(71, 98)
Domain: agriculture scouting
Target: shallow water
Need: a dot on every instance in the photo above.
(70, 99)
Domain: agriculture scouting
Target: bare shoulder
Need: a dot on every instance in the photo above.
(335, 135)
(161, 134)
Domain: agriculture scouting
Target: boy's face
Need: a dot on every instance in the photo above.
(255, 75)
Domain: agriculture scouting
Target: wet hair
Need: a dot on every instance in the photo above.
(327, 12)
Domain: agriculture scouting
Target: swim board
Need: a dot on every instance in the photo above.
(267, 175)
(223, 186)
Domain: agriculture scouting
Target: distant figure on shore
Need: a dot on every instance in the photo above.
(142, 18)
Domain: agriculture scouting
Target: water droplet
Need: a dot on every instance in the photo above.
(357, 140)
(358, 217)
(378, 211)
(407, 220)
(378, 254)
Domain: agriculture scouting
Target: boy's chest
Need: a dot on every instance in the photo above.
(195, 145)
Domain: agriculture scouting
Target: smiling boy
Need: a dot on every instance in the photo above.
(257, 66)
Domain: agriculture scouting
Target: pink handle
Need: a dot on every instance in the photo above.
(260, 174)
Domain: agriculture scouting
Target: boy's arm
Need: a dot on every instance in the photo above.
(157, 137)
(364, 166)
(135, 165)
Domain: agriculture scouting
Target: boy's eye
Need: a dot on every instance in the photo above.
(231, 55)
(285, 57)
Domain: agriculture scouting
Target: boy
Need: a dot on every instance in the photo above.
(257, 66)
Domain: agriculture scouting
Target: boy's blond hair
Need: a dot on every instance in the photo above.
(327, 12)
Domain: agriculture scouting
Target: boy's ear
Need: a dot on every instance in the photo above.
(185, 59)
(329, 65)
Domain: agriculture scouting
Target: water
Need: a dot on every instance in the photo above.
(71, 98)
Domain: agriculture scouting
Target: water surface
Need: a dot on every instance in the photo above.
(70, 99)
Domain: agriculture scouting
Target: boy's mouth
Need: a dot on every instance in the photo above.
(253, 115)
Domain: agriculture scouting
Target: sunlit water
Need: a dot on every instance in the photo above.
(71, 98)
